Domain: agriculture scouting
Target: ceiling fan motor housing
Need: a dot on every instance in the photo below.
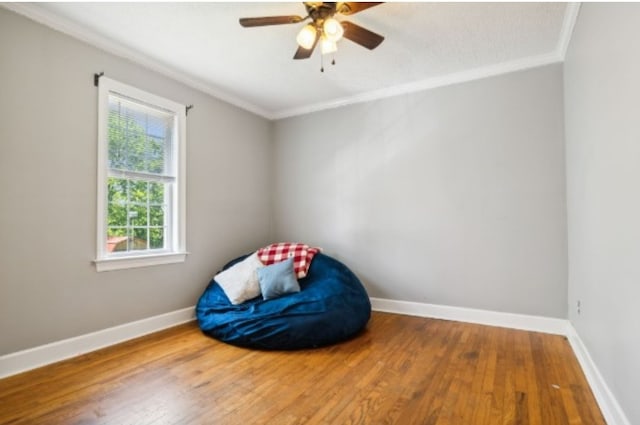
(322, 14)
(318, 12)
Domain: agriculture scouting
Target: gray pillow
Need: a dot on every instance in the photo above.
(278, 279)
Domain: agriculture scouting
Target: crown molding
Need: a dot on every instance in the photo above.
(36, 13)
(570, 17)
(568, 23)
(426, 84)
(86, 35)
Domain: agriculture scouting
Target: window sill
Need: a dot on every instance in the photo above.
(130, 262)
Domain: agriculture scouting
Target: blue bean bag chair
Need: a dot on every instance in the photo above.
(332, 306)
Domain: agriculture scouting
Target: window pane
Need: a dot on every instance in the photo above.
(135, 148)
(117, 215)
(117, 142)
(155, 155)
(138, 191)
(138, 215)
(156, 216)
(117, 239)
(116, 231)
(156, 193)
(157, 125)
(156, 236)
(117, 190)
(139, 239)
(136, 209)
(138, 137)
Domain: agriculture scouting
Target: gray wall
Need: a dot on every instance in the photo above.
(452, 196)
(602, 95)
(49, 289)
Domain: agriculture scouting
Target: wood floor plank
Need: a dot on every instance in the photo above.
(402, 370)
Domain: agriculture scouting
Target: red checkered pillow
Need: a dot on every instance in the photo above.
(302, 255)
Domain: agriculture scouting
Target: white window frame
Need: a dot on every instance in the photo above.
(175, 252)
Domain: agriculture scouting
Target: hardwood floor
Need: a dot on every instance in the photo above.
(403, 370)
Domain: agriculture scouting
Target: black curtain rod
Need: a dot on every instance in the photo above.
(96, 82)
(96, 78)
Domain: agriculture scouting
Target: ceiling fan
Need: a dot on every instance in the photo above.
(324, 27)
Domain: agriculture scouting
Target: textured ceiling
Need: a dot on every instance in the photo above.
(426, 44)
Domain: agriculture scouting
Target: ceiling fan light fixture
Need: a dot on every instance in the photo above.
(322, 27)
(327, 46)
(307, 36)
(332, 29)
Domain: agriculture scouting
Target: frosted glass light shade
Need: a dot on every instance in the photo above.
(332, 29)
(306, 37)
(328, 46)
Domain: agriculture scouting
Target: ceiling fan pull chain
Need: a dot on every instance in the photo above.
(321, 63)
(324, 27)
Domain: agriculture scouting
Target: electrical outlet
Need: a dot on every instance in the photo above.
(578, 307)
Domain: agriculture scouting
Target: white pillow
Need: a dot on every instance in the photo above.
(240, 282)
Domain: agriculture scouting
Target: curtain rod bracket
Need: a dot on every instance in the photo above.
(96, 78)
(187, 109)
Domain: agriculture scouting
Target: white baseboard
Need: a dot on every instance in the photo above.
(484, 317)
(609, 406)
(21, 361)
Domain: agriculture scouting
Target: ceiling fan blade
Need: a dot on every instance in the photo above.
(351, 7)
(361, 36)
(270, 20)
(303, 53)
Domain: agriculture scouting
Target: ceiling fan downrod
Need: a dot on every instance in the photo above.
(324, 27)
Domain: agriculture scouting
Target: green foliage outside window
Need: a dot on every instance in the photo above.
(136, 206)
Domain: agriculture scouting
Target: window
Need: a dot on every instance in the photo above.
(141, 178)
